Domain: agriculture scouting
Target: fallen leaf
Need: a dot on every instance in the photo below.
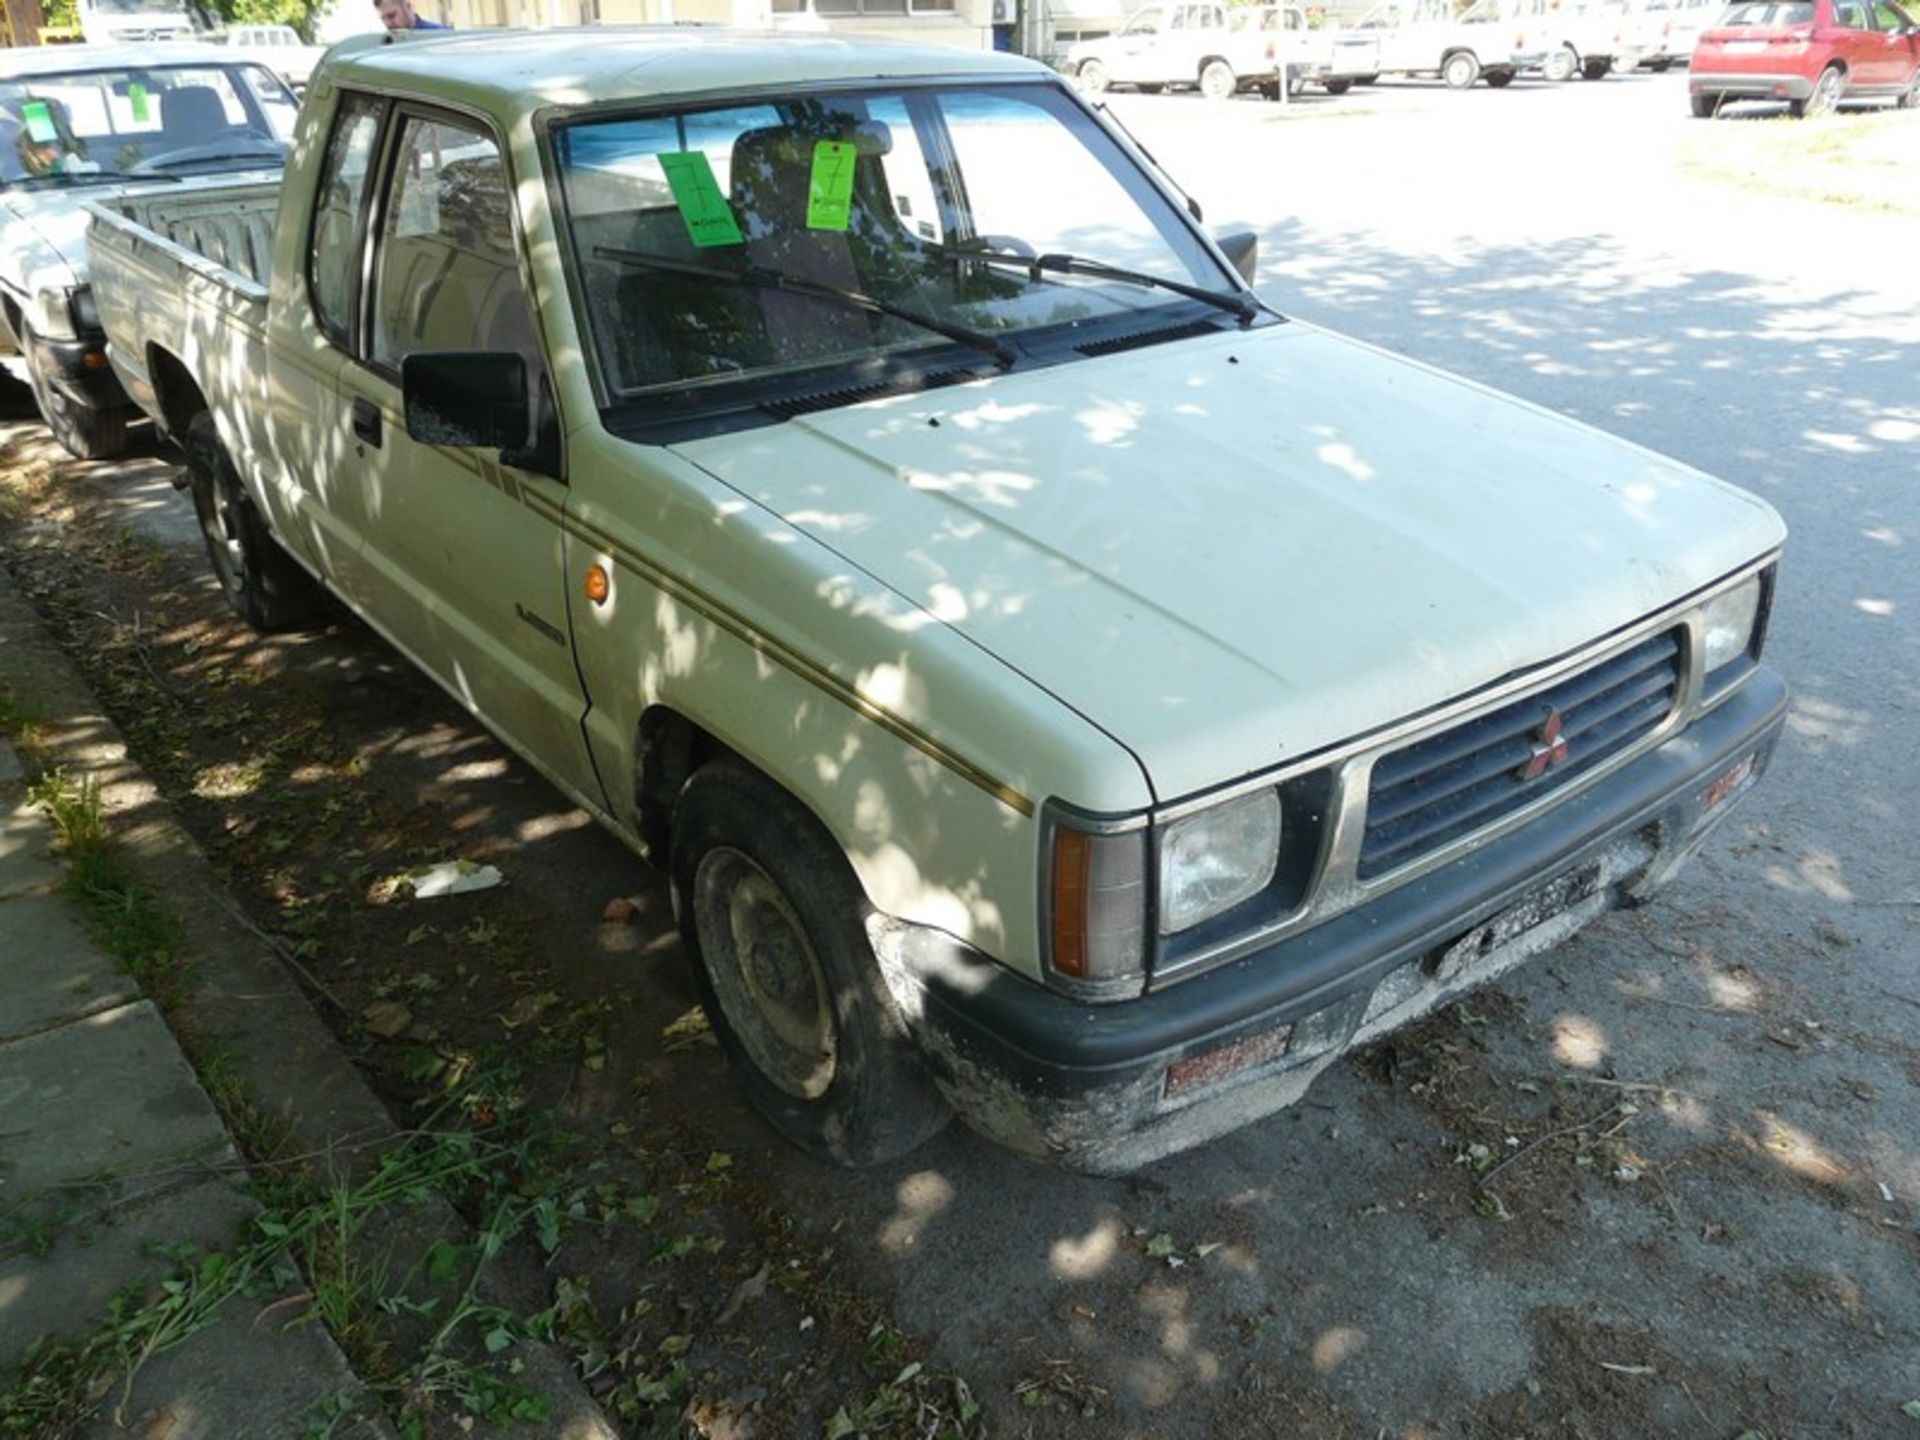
(386, 1018)
(1911, 1409)
(1160, 1246)
(451, 877)
(620, 911)
(1627, 1369)
(1207, 1248)
(751, 1288)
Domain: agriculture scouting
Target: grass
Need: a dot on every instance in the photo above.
(1861, 160)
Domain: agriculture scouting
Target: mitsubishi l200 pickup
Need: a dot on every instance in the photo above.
(1061, 689)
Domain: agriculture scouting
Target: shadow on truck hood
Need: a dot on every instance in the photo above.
(1229, 552)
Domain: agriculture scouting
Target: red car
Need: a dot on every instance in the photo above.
(1810, 53)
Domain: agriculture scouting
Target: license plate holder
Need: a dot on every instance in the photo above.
(1532, 910)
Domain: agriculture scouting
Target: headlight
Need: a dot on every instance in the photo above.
(1728, 622)
(1211, 861)
(52, 317)
(86, 315)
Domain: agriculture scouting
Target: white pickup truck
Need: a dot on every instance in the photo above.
(1491, 40)
(1059, 688)
(1220, 49)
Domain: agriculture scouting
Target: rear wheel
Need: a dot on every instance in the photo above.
(773, 921)
(1596, 69)
(1825, 98)
(1910, 97)
(265, 585)
(87, 433)
(1092, 77)
(1217, 80)
(1562, 64)
(1460, 70)
(1498, 79)
(1704, 106)
(1661, 65)
(1337, 87)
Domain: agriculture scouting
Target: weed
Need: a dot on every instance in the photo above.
(19, 723)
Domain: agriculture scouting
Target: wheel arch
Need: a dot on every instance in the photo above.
(177, 397)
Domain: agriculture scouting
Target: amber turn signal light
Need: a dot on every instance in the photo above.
(599, 586)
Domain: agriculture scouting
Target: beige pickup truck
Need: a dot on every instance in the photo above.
(1059, 688)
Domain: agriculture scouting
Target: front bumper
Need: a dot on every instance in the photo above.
(79, 370)
(1108, 1088)
(1738, 86)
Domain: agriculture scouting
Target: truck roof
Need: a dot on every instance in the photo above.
(519, 71)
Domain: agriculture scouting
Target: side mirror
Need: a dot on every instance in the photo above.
(470, 399)
(1241, 245)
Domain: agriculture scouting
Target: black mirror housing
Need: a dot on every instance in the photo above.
(475, 399)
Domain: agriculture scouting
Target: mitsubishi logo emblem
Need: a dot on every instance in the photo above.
(1549, 748)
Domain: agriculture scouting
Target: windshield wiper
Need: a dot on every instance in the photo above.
(87, 176)
(757, 277)
(266, 153)
(1233, 302)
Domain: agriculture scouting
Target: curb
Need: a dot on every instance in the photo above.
(239, 991)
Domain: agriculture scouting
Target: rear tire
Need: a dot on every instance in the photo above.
(1217, 80)
(1704, 106)
(773, 921)
(86, 433)
(1596, 69)
(1497, 79)
(1825, 98)
(1092, 77)
(1460, 70)
(1910, 97)
(1336, 87)
(265, 586)
(1661, 66)
(1562, 64)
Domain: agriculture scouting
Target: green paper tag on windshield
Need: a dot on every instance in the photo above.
(137, 98)
(709, 219)
(830, 186)
(40, 127)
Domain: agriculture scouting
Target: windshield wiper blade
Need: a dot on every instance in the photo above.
(756, 277)
(265, 155)
(89, 177)
(1234, 302)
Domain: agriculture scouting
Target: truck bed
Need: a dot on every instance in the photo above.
(222, 233)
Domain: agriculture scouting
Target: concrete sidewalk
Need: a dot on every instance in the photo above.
(111, 1152)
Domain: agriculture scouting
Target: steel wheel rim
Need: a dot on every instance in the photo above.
(765, 974)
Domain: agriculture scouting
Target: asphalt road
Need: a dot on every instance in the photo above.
(1739, 1254)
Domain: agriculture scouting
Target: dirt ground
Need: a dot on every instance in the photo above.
(1663, 1182)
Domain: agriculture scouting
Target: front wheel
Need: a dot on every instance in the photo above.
(265, 586)
(1562, 64)
(86, 432)
(1596, 69)
(1460, 70)
(1217, 80)
(1336, 87)
(1497, 79)
(774, 924)
(1092, 77)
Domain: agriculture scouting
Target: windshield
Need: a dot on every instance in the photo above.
(881, 195)
(154, 120)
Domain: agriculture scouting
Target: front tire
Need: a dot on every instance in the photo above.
(87, 433)
(1336, 87)
(774, 924)
(1497, 79)
(1217, 80)
(265, 586)
(1562, 65)
(1460, 70)
(1596, 69)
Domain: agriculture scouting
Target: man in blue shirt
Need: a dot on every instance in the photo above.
(400, 15)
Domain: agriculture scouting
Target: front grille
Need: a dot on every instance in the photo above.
(1436, 790)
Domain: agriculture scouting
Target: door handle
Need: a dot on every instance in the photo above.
(366, 420)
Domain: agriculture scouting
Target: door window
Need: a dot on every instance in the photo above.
(333, 258)
(446, 273)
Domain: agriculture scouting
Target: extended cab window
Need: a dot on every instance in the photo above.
(446, 273)
(333, 260)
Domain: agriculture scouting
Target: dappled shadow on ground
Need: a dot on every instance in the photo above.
(1663, 1182)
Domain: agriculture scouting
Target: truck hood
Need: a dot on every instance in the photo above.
(1233, 551)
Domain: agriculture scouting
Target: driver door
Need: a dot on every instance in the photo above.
(461, 555)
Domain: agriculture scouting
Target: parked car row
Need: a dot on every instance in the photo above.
(1813, 54)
